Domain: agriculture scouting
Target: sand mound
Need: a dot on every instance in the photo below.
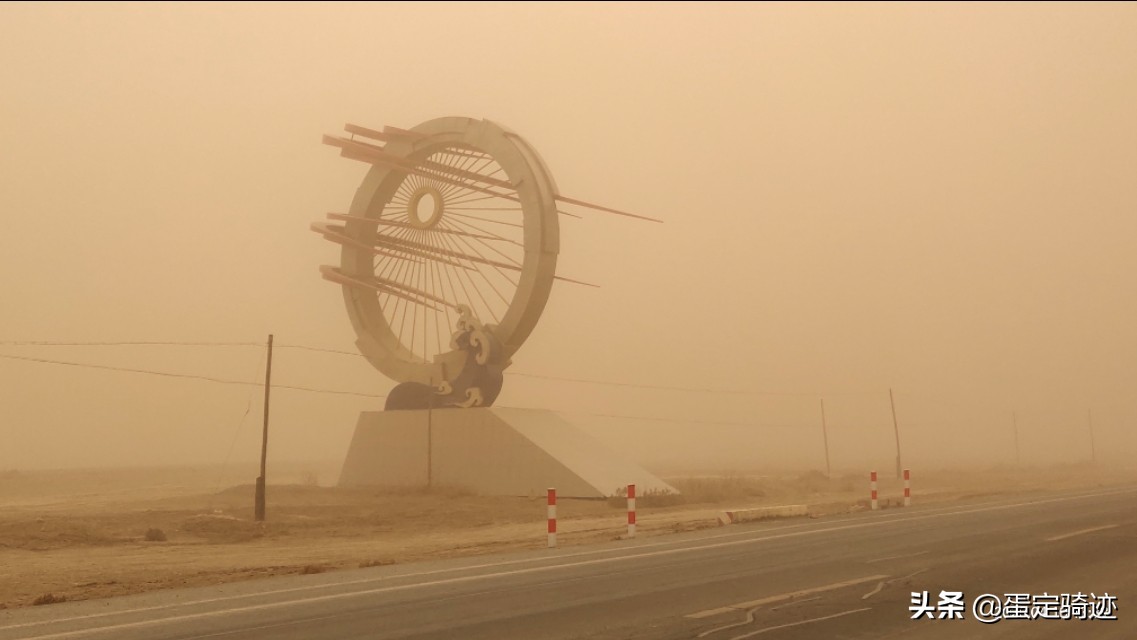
(52, 533)
(222, 528)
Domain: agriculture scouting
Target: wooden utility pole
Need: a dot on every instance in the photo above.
(1015, 422)
(825, 436)
(896, 430)
(259, 505)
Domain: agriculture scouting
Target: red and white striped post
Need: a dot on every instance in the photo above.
(631, 511)
(907, 488)
(552, 518)
(872, 485)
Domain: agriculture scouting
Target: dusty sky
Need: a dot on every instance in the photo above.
(941, 199)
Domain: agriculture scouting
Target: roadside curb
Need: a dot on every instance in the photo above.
(736, 516)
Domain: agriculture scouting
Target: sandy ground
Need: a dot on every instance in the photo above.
(83, 534)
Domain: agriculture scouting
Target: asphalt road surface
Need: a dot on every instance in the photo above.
(848, 576)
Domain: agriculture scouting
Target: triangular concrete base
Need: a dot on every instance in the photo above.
(492, 451)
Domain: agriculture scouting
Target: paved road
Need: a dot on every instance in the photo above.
(838, 577)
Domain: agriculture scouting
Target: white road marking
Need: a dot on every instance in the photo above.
(800, 622)
(1078, 533)
(880, 585)
(263, 627)
(910, 575)
(876, 590)
(874, 522)
(783, 596)
(795, 602)
(908, 555)
(750, 616)
(748, 620)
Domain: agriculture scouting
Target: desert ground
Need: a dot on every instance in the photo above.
(82, 534)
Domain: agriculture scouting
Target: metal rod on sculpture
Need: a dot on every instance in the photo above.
(332, 274)
(605, 209)
(552, 515)
(259, 498)
(403, 225)
(336, 234)
(357, 150)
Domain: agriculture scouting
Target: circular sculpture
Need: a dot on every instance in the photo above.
(448, 256)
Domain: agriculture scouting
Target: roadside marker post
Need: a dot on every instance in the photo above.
(907, 488)
(552, 509)
(631, 511)
(872, 487)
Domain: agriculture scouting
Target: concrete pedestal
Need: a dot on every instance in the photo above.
(491, 451)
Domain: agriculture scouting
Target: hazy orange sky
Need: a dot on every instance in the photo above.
(937, 198)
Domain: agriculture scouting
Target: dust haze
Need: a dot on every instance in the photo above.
(934, 199)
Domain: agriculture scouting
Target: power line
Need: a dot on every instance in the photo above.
(150, 343)
(188, 376)
(657, 387)
(632, 385)
(375, 395)
(236, 432)
(320, 350)
(680, 420)
(521, 374)
(715, 423)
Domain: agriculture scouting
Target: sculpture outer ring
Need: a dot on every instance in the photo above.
(536, 190)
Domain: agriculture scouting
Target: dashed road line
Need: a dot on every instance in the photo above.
(901, 557)
(783, 596)
(749, 619)
(876, 590)
(799, 623)
(1078, 533)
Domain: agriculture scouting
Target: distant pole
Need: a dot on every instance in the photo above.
(430, 436)
(259, 506)
(1093, 449)
(1015, 423)
(896, 430)
(825, 437)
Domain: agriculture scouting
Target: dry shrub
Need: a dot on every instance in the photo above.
(312, 568)
(439, 490)
(817, 482)
(650, 498)
(52, 533)
(715, 490)
(155, 535)
(375, 563)
(48, 598)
